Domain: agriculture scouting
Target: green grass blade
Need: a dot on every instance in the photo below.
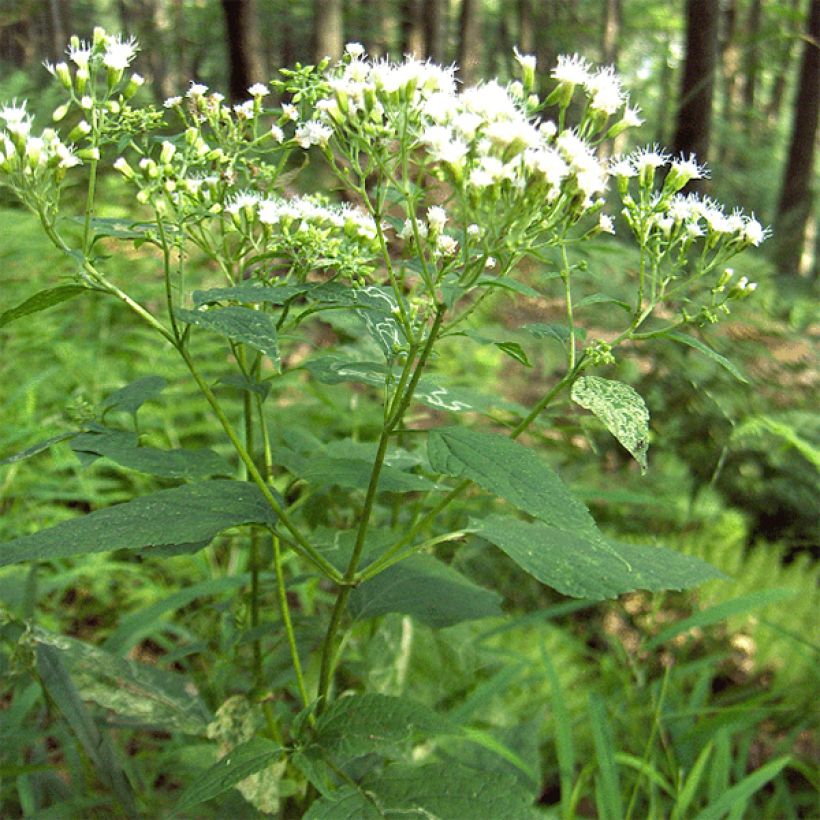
(690, 785)
(610, 787)
(715, 614)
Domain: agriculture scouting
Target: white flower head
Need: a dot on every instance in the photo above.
(753, 232)
(436, 217)
(573, 70)
(355, 50)
(170, 102)
(606, 224)
(604, 87)
(119, 53)
(526, 61)
(79, 52)
(277, 133)
(258, 90)
(196, 90)
(312, 132)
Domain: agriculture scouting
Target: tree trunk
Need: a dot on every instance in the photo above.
(432, 21)
(526, 38)
(377, 38)
(782, 68)
(412, 31)
(469, 41)
(694, 124)
(795, 205)
(611, 32)
(665, 91)
(242, 33)
(751, 64)
(328, 29)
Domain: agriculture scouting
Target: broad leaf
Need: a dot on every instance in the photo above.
(252, 294)
(603, 299)
(334, 370)
(512, 285)
(362, 724)
(144, 694)
(427, 589)
(438, 790)
(181, 515)
(355, 474)
(242, 324)
(559, 332)
(508, 469)
(37, 448)
(242, 761)
(707, 351)
(41, 301)
(120, 447)
(130, 398)
(620, 408)
(585, 567)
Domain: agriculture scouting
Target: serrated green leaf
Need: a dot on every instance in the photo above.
(620, 408)
(427, 589)
(242, 761)
(582, 566)
(142, 693)
(334, 370)
(37, 448)
(119, 228)
(251, 386)
(121, 448)
(363, 724)
(251, 294)
(508, 469)
(355, 474)
(130, 398)
(242, 324)
(346, 803)
(41, 301)
(707, 351)
(181, 515)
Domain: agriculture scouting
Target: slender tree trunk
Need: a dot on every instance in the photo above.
(752, 61)
(544, 16)
(432, 21)
(377, 38)
(665, 86)
(783, 66)
(242, 31)
(694, 121)
(795, 205)
(610, 40)
(328, 29)
(526, 34)
(729, 100)
(469, 41)
(412, 30)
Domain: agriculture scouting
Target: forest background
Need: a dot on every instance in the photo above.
(735, 82)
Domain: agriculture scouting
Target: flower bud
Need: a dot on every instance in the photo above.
(60, 111)
(86, 103)
(167, 152)
(89, 153)
(80, 130)
(99, 38)
(63, 74)
(135, 82)
(121, 165)
(81, 79)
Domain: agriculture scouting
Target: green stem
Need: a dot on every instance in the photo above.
(284, 609)
(400, 403)
(89, 205)
(309, 550)
(565, 275)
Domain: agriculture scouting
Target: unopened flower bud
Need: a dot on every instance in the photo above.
(60, 111)
(121, 165)
(86, 103)
(80, 130)
(99, 38)
(89, 153)
(81, 79)
(113, 106)
(167, 152)
(63, 74)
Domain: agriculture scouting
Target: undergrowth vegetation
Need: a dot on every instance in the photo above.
(298, 660)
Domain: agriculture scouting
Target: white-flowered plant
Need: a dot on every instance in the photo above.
(441, 193)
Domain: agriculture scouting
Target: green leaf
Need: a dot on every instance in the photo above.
(355, 473)
(41, 301)
(251, 294)
(119, 228)
(512, 349)
(181, 515)
(96, 744)
(334, 370)
(130, 398)
(37, 448)
(427, 589)
(121, 448)
(249, 385)
(620, 408)
(583, 566)
(363, 724)
(508, 469)
(560, 333)
(602, 298)
(446, 790)
(145, 694)
(720, 612)
(511, 285)
(740, 793)
(242, 761)
(605, 754)
(462, 399)
(242, 324)
(697, 344)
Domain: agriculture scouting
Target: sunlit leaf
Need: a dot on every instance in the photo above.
(41, 301)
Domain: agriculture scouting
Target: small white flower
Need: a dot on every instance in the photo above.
(648, 157)
(196, 90)
(172, 101)
(622, 167)
(290, 112)
(277, 133)
(79, 54)
(312, 132)
(473, 230)
(446, 244)
(753, 232)
(244, 111)
(258, 90)
(632, 117)
(604, 86)
(490, 263)
(436, 217)
(606, 224)
(526, 61)
(119, 53)
(573, 70)
(355, 50)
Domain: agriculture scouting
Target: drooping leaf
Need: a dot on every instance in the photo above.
(130, 398)
(119, 228)
(558, 332)
(39, 447)
(121, 448)
(363, 724)
(508, 469)
(602, 299)
(242, 383)
(511, 285)
(41, 301)
(242, 324)
(585, 567)
(697, 344)
(442, 790)
(248, 758)
(334, 370)
(620, 408)
(144, 694)
(427, 589)
(96, 744)
(181, 515)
